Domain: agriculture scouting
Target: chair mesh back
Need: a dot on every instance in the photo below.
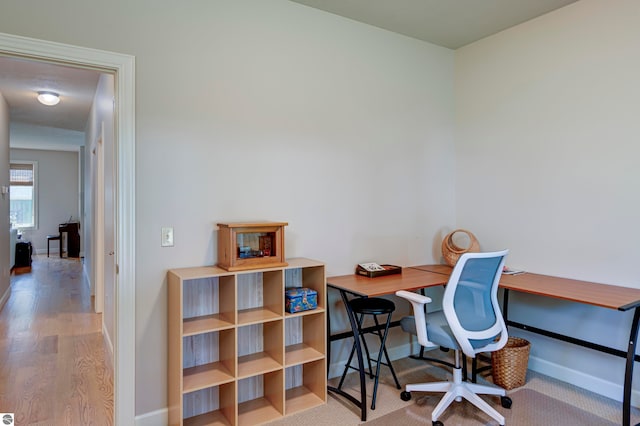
(472, 300)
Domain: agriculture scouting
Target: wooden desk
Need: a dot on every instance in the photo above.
(410, 279)
(590, 293)
(358, 286)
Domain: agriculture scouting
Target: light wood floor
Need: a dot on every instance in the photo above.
(54, 365)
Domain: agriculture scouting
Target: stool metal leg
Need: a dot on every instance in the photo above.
(348, 364)
(353, 350)
(364, 343)
(386, 354)
(383, 350)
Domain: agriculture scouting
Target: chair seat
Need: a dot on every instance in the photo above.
(372, 306)
(53, 237)
(438, 329)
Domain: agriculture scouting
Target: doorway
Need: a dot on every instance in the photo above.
(122, 67)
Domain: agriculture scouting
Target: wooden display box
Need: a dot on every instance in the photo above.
(251, 245)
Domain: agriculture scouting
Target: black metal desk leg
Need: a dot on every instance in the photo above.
(628, 374)
(505, 306)
(328, 332)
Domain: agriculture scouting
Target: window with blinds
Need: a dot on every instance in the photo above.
(22, 194)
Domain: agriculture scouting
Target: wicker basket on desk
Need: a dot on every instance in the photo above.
(509, 364)
(451, 252)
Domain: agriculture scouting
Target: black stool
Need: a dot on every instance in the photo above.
(372, 306)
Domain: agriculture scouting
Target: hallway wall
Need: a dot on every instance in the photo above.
(5, 262)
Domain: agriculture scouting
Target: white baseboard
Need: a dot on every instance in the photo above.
(44, 251)
(582, 380)
(85, 272)
(154, 418)
(395, 352)
(5, 297)
(107, 341)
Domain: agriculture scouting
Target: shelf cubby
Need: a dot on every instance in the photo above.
(208, 359)
(262, 399)
(305, 337)
(302, 274)
(260, 296)
(260, 348)
(305, 386)
(211, 406)
(208, 304)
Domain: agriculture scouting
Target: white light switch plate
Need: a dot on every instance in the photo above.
(167, 237)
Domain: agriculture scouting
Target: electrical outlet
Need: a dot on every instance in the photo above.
(167, 237)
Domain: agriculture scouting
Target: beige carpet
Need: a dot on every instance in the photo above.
(530, 408)
(558, 399)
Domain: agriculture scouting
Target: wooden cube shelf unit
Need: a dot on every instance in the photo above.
(251, 245)
(236, 357)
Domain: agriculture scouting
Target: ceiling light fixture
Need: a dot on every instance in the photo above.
(48, 98)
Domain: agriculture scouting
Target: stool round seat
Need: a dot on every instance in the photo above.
(372, 306)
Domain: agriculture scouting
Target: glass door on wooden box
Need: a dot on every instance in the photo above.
(256, 244)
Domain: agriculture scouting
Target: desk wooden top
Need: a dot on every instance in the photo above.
(603, 295)
(410, 279)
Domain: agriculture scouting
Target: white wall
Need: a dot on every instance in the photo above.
(58, 193)
(100, 126)
(269, 110)
(546, 158)
(5, 263)
(43, 137)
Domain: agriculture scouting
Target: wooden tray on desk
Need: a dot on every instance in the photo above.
(388, 270)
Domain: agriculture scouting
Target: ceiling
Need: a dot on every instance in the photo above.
(21, 80)
(448, 23)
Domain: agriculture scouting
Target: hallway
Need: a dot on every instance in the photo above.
(54, 364)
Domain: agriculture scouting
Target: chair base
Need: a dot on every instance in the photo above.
(458, 389)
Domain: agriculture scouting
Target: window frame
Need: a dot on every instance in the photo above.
(34, 165)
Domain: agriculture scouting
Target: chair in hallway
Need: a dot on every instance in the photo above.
(54, 238)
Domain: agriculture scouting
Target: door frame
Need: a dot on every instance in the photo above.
(98, 224)
(123, 68)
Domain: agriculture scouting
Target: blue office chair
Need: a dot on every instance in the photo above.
(470, 322)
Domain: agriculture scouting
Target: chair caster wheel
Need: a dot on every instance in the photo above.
(405, 396)
(437, 423)
(506, 401)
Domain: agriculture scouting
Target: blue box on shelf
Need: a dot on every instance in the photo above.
(300, 299)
